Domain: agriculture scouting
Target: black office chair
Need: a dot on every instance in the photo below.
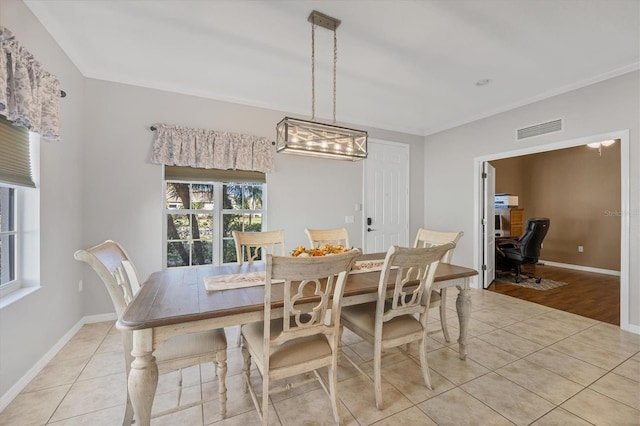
(512, 254)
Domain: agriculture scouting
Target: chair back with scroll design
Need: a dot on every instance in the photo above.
(431, 238)
(257, 244)
(107, 259)
(113, 265)
(305, 337)
(391, 321)
(337, 236)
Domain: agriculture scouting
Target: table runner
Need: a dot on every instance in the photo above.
(362, 266)
(231, 281)
(254, 279)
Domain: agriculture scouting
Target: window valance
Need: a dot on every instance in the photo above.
(209, 149)
(29, 95)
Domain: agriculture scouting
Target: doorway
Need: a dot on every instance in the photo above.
(623, 136)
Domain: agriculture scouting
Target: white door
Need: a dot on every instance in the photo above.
(386, 185)
(488, 224)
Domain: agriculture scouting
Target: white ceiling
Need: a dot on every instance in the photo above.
(403, 65)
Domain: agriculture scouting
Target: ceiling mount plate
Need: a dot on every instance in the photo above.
(323, 20)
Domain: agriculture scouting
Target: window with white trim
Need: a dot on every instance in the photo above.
(19, 210)
(200, 216)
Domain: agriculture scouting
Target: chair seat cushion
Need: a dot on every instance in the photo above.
(289, 353)
(363, 317)
(190, 345)
(435, 298)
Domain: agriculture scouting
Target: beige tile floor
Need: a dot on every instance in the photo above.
(527, 364)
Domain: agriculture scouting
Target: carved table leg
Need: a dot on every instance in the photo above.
(463, 307)
(221, 361)
(143, 377)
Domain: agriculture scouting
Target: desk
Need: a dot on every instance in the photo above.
(175, 301)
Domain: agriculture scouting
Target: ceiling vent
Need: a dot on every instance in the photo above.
(539, 129)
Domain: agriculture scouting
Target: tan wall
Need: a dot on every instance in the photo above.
(580, 192)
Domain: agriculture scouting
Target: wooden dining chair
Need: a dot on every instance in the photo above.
(306, 337)
(431, 238)
(391, 322)
(112, 264)
(337, 236)
(258, 244)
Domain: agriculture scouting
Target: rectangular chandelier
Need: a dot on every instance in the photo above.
(303, 137)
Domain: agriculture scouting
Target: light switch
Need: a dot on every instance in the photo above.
(348, 219)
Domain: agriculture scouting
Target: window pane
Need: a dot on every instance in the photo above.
(252, 222)
(232, 196)
(201, 196)
(7, 220)
(177, 195)
(178, 227)
(229, 251)
(231, 222)
(7, 241)
(202, 226)
(7, 259)
(253, 197)
(178, 253)
(202, 253)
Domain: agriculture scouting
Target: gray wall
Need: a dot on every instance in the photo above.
(608, 106)
(123, 196)
(32, 325)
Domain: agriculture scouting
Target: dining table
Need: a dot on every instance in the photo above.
(180, 300)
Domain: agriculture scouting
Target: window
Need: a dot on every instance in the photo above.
(200, 217)
(8, 237)
(19, 212)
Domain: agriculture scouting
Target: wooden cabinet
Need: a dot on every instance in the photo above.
(516, 222)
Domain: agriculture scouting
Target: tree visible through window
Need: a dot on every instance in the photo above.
(201, 217)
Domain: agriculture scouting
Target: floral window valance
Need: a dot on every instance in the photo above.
(209, 149)
(29, 95)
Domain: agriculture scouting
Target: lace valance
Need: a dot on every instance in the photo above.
(29, 95)
(209, 149)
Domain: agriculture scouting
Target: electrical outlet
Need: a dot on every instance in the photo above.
(80, 285)
(580, 249)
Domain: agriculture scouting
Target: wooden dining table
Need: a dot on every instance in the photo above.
(175, 301)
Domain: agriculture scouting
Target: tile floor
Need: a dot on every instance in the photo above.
(527, 364)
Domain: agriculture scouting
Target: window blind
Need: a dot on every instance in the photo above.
(192, 174)
(15, 161)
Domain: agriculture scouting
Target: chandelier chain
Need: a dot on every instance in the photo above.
(313, 72)
(335, 59)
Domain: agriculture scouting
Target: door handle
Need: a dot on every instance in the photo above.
(369, 229)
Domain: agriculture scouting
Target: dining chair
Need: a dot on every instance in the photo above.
(430, 238)
(257, 244)
(304, 335)
(391, 321)
(113, 265)
(334, 236)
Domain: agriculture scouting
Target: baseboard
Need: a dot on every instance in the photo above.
(581, 268)
(631, 328)
(15, 390)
